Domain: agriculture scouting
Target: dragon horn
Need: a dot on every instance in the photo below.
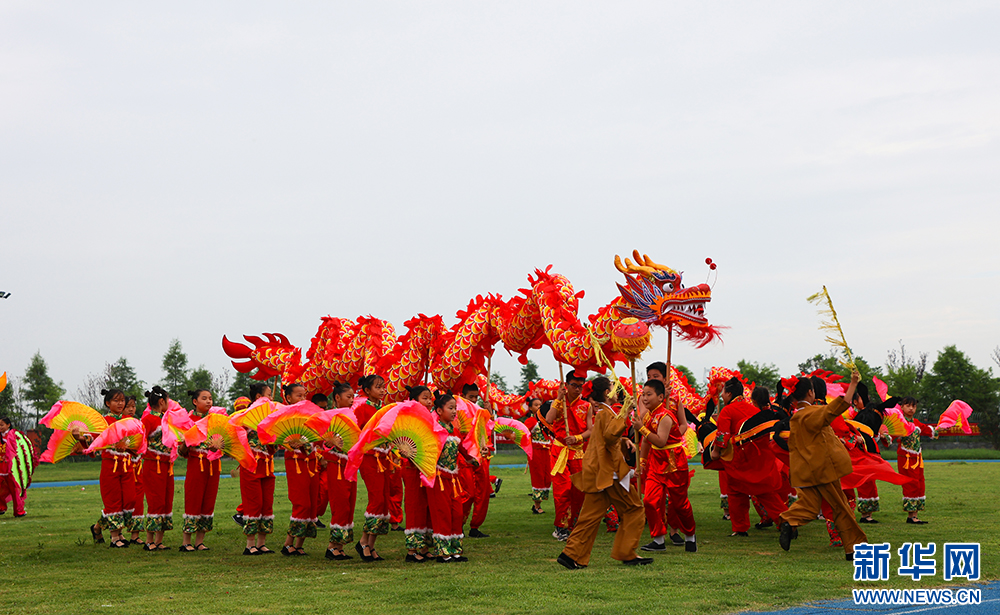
(653, 264)
(635, 267)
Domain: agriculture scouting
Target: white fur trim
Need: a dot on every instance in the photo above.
(371, 516)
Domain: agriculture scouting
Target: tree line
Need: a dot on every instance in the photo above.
(952, 376)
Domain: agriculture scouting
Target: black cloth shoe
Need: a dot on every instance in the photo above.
(96, 533)
(867, 520)
(912, 520)
(442, 560)
(653, 546)
(286, 550)
(735, 534)
(764, 524)
(459, 558)
(690, 546)
(24, 514)
(361, 552)
(238, 518)
(319, 524)
(787, 534)
(330, 554)
(567, 561)
(536, 511)
(475, 533)
(251, 551)
(639, 561)
(676, 540)
(496, 486)
(849, 556)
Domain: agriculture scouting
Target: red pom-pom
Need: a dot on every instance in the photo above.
(712, 266)
(708, 261)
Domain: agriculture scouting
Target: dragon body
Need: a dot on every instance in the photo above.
(545, 314)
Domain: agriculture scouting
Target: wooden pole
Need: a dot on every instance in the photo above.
(670, 352)
(635, 403)
(562, 383)
(489, 402)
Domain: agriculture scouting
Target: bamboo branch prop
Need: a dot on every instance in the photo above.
(836, 335)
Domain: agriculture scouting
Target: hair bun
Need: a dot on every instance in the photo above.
(193, 393)
(104, 391)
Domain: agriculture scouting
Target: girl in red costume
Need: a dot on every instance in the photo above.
(418, 524)
(157, 472)
(201, 480)
(342, 493)
(375, 466)
(257, 491)
(302, 474)
(257, 390)
(138, 522)
(117, 479)
(445, 497)
(910, 461)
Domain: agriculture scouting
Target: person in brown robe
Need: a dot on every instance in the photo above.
(606, 480)
(818, 460)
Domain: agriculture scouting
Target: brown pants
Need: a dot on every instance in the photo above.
(808, 506)
(632, 520)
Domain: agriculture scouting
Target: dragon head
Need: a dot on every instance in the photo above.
(655, 295)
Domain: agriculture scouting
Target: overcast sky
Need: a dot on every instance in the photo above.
(189, 170)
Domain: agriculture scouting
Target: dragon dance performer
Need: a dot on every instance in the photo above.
(539, 465)
(302, 475)
(201, 480)
(476, 480)
(761, 399)
(256, 491)
(818, 460)
(341, 493)
(157, 472)
(419, 533)
(257, 390)
(567, 450)
(445, 497)
(608, 481)
(658, 371)
(8, 486)
(664, 459)
(910, 461)
(753, 469)
(374, 467)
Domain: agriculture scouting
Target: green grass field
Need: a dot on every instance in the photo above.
(50, 565)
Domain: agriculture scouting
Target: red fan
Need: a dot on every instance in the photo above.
(173, 425)
(515, 431)
(957, 414)
(128, 431)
